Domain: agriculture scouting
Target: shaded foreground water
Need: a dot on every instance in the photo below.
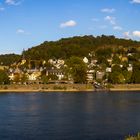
(69, 116)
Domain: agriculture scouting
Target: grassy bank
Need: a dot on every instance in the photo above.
(64, 87)
(125, 87)
(137, 137)
(47, 87)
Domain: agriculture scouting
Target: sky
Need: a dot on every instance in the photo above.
(27, 23)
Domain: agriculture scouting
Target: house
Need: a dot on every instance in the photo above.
(85, 60)
(56, 63)
(94, 61)
(90, 76)
(23, 61)
(129, 54)
(108, 69)
(59, 73)
(121, 65)
(52, 61)
(14, 72)
(130, 68)
(110, 61)
(11, 76)
(3, 67)
(34, 75)
(59, 63)
(124, 59)
(100, 75)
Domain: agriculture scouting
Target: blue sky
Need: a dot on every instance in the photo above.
(26, 23)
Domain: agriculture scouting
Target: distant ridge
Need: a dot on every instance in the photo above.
(73, 46)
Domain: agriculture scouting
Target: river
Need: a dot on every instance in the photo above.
(69, 116)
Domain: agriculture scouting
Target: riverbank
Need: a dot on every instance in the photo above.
(47, 88)
(65, 87)
(125, 87)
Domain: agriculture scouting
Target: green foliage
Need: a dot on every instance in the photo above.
(20, 78)
(137, 137)
(116, 59)
(17, 78)
(116, 78)
(4, 79)
(52, 77)
(116, 68)
(77, 68)
(72, 49)
(5, 87)
(56, 87)
(9, 59)
(24, 78)
(45, 79)
(127, 76)
(136, 73)
(80, 47)
(105, 51)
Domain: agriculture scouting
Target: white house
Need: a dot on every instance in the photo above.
(85, 60)
(130, 67)
(108, 69)
(90, 76)
(33, 76)
(99, 75)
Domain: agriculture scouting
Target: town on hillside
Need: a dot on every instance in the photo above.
(107, 64)
(86, 70)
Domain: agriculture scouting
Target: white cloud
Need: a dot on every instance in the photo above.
(70, 23)
(20, 31)
(117, 28)
(127, 35)
(136, 33)
(133, 34)
(112, 20)
(13, 2)
(108, 10)
(23, 32)
(135, 1)
(2, 9)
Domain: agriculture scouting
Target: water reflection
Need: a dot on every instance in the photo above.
(69, 115)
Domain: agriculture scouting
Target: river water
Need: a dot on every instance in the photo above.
(69, 116)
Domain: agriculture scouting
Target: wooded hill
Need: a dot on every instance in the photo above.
(9, 59)
(75, 46)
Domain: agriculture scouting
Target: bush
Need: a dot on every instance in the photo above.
(59, 88)
(5, 87)
(133, 137)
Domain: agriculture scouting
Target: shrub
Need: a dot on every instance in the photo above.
(137, 137)
(59, 88)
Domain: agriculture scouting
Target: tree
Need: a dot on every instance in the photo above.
(17, 78)
(77, 69)
(81, 47)
(116, 59)
(127, 76)
(24, 78)
(116, 68)
(116, 78)
(52, 77)
(44, 79)
(4, 79)
(136, 73)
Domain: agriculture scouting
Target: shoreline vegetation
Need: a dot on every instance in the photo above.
(102, 60)
(137, 137)
(66, 88)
